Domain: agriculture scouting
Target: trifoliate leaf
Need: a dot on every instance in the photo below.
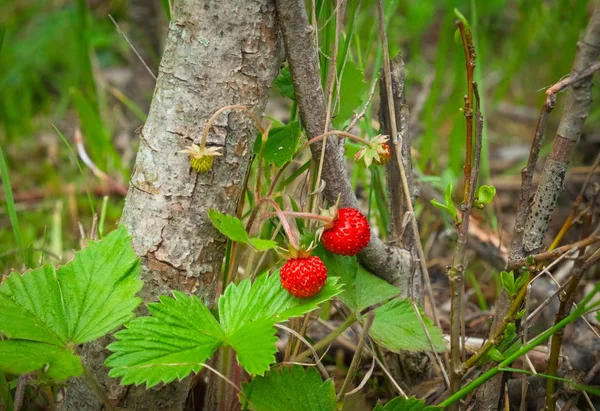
(406, 404)
(284, 83)
(49, 361)
(352, 91)
(182, 333)
(88, 297)
(99, 287)
(282, 144)
(32, 307)
(397, 327)
(361, 288)
(175, 341)
(290, 389)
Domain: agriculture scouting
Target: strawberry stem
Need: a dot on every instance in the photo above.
(222, 109)
(297, 214)
(338, 133)
(284, 222)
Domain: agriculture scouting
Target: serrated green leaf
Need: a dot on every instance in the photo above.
(99, 287)
(91, 295)
(397, 327)
(266, 299)
(254, 344)
(284, 83)
(32, 307)
(230, 226)
(291, 389)
(51, 362)
(282, 144)
(175, 341)
(361, 288)
(262, 245)
(182, 333)
(406, 404)
(352, 90)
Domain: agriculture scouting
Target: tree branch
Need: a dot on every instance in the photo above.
(389, 263)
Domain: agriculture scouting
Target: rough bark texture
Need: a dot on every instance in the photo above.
(552, 180)
(218, 52)
(390, 263)
(400, 231)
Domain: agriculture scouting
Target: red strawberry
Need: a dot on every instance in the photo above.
(349, 233)
(303, 277)
(385, 152)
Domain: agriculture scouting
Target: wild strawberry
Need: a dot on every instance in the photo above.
(348, 233)
(385, 152)
(303, 277)
(202, 158)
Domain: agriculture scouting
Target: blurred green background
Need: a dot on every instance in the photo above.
(64, 65)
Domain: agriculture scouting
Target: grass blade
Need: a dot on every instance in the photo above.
(10, 206)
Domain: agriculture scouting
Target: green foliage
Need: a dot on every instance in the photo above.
(352, 90)
(484, 195)
(361, 288)
(282, 144)
(397, 327)
(182, 333)
(406, 404)
(232, 228)
(47, 311)
(10, 206)
(284, 83)
(448, 206)
(291, 389)
(512, 285)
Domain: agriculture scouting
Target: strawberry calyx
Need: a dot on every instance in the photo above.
(377, 151)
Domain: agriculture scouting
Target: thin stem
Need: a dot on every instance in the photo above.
(284, 222)
(222, 109)
(357, 356)
(337, 133)
(301, 214)
(328, 339)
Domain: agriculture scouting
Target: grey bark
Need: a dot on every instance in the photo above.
(400, 232)
(390, 263)
(217, 53)
(551, 184)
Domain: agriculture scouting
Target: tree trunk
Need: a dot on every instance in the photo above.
(217, 53)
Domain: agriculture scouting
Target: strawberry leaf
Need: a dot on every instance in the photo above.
(182, 333)
(352, 91)
(232, 228)
(282, 143)
(397, 327)
(175, 341)
(361, 288)
(88, 297)
(23, 357)
(290, 389)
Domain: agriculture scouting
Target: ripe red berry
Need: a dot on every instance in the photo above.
(349, 234)
(303, 277)
(385, 152)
